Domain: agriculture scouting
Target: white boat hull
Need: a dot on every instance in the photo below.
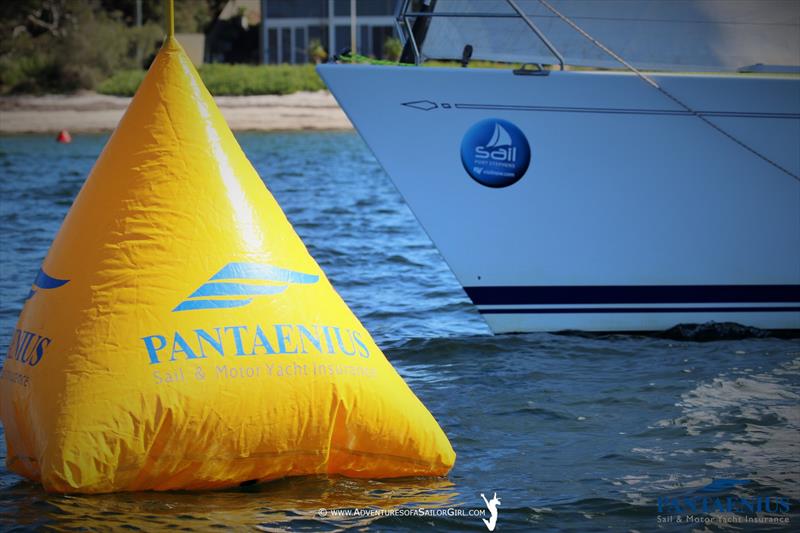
(632, 215)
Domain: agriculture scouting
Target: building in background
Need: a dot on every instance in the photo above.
(235, 35)
(288, 26)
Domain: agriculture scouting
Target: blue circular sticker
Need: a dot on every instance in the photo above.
(495, 153)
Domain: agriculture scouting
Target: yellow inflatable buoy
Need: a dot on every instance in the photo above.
(180, 336)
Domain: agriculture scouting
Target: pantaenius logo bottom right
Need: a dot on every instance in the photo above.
(714, 504)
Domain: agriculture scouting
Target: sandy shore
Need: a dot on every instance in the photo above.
(92, 112)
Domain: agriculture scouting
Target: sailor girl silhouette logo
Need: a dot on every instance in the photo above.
(495, 153)
(492, 506)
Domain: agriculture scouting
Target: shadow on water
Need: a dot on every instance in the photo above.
(705, 332)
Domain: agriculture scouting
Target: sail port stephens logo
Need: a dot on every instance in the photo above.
(495, 153)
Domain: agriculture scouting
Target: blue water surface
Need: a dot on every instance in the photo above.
(572, 433)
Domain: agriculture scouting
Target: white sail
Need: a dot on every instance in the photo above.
(677, 35)
(500, 137)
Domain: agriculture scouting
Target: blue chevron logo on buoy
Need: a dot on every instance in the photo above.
(260, 279)
(43, 281)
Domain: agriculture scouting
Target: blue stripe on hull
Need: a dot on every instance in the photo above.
(600, 310)
(633, 294)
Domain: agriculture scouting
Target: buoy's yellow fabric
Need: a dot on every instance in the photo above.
(180, 336)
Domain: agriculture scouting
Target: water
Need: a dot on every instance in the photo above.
(572, 433)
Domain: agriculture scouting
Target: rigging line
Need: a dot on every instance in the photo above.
(666, 93)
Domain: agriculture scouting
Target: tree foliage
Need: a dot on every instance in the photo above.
(231, 80)
(66, 45)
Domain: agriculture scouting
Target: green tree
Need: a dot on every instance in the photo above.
(392, 49)
(64, 45)
(316, 51)
(190, 15)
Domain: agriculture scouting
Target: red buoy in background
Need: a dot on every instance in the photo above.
(64, 137)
